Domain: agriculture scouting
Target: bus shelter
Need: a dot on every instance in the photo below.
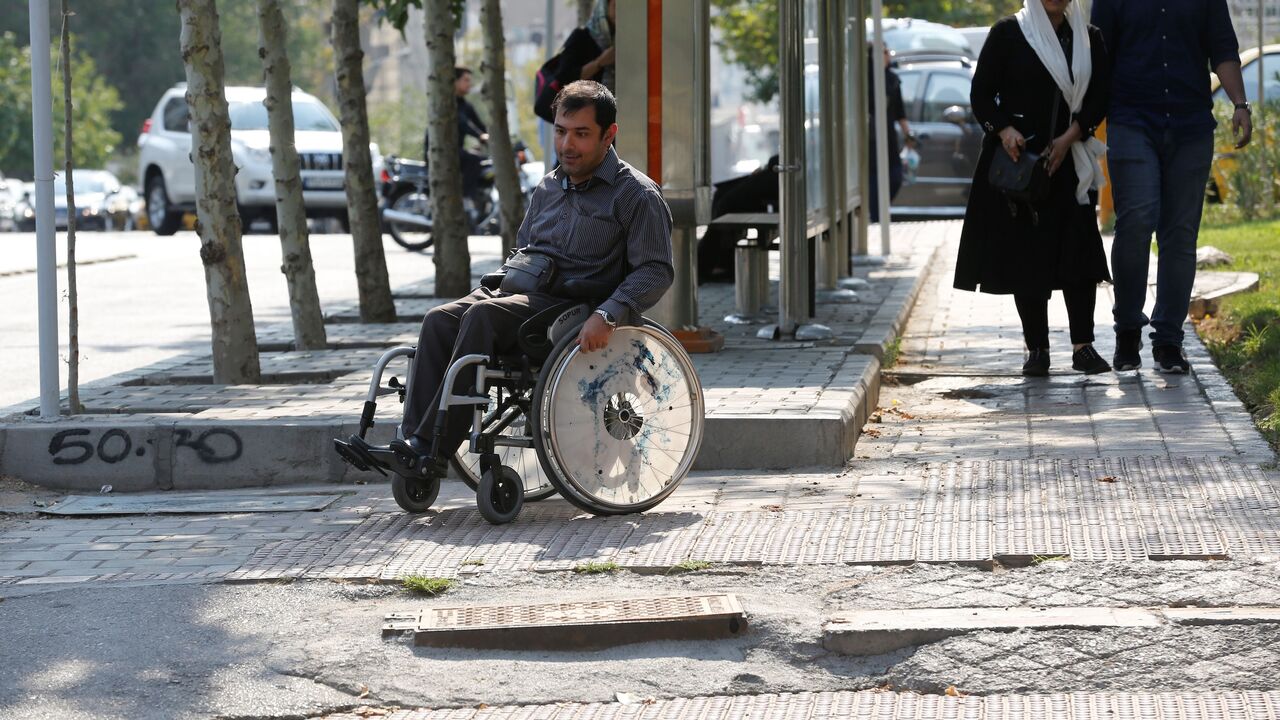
(664, 105)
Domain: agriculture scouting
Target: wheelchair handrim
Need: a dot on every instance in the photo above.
(656, 484)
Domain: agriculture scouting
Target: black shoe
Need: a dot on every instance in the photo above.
(1037, 364)
(1170, 359)
(1088, 361)
(1128, 344)
(413, 455)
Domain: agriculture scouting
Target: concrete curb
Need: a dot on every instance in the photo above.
(875, 632)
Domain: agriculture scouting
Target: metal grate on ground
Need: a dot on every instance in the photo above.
(883, 705)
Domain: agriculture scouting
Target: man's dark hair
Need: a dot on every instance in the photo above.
(582, 93)
(459, 71)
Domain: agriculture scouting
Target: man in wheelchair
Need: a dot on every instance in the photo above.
(596, 230)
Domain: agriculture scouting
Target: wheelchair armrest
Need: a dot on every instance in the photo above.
(491, 281)
(574, 289)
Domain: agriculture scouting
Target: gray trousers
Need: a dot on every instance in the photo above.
(484, 322)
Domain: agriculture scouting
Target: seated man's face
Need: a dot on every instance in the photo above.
(581, 144)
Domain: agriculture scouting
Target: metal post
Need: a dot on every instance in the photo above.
(839, 59)
(881, 123)
(46, 236)
(544, 128)
(825, 246)
(860, 114)
(1262, 98)
(793, 292)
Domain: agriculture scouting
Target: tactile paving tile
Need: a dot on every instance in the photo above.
(585, 539)
(944, 539)
(882, 534)
(807, 537)
(518, 546)
(439, 547)
(366, 549)
(883, 705)
(735, 537)
(1175, 531)
(1106, 533)
(661, 540)
(284, 558)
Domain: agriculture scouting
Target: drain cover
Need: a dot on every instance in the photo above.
(573, 625)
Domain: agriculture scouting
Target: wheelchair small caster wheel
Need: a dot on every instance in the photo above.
(415, 495)
(500, 495)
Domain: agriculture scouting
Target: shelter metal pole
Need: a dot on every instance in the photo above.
(839, 58)
(544, 128)
(860, 115)
(793, 291)
(881, 124)
(46, 235)
(826, 263)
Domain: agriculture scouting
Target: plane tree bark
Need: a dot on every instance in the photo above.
(235, 346)
(291, 211)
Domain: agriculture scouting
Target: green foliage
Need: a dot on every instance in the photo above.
(310, 55)
(1249, 174)
(429, 586)
(93, 101)
(396, 12)
(689, 566)
(749, 30)
(749, 38)
(1244, 338)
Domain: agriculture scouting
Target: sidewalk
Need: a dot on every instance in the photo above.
(165, 426)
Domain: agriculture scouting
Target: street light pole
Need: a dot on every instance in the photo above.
(46, 235)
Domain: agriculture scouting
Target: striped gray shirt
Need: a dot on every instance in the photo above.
(615, 229)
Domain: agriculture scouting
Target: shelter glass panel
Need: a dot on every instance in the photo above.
(815, 191)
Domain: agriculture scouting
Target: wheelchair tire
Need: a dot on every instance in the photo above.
(415, 495)
(523, 460)
(500, 495)
(629, 448)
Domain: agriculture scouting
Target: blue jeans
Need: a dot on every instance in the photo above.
(1158, 183)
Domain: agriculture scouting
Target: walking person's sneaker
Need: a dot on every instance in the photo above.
(1037, 364)
(1170, 359)
(1128, 344)
(1088, 361)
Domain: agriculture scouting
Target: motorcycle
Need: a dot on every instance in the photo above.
(406, 199)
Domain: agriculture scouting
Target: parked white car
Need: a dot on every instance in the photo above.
(168, 175)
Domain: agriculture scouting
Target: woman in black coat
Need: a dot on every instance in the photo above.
(1030, 252)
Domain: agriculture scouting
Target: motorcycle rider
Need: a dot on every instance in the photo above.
(469, 124)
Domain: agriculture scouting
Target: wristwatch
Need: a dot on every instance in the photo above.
(1245, 106)
(609, 320)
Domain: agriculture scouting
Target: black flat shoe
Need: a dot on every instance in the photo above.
(412, 458)
(1037, 364)
(1088, 361)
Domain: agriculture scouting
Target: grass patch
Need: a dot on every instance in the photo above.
(1042, 559)
(429, 586)
(595, 568)
(473, 561)
(892, 352)
(689, 566)
(1244, 338)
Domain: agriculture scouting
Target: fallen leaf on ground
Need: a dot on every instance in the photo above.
(953, 692)
(1107, 479)
(871, 432)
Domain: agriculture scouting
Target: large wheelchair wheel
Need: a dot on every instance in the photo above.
(523, 460)
(618, 429)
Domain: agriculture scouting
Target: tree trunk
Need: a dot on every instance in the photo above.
(235, 347)
(494, 70)
(584, 11)
(291, 213)
(73, 297)
(450, 226)
(376, 305)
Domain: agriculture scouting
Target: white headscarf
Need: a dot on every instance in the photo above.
(1034, 21)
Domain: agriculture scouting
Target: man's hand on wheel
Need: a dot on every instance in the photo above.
(595, 334)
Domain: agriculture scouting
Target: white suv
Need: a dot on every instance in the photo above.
(168, 175)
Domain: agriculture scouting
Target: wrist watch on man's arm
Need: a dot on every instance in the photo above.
(608, 318)
(1245, 106)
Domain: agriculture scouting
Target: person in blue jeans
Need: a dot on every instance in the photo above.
(1160, 146)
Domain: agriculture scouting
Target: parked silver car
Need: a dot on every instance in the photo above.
(935, 94)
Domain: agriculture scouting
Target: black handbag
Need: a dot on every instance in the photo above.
(528, 272)
(1025, 180)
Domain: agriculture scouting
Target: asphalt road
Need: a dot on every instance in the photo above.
(142, 297)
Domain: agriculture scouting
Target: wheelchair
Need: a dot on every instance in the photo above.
(614, 431)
